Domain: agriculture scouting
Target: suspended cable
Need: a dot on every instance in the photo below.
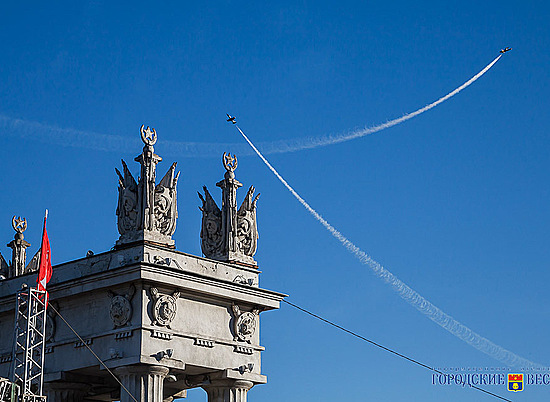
(410, 359)
(92, 352)
(408, 294)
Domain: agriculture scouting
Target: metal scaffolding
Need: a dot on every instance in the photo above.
(28, 345)
(9, 392)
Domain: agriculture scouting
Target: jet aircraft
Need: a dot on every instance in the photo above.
(231, 119)
(507, 49)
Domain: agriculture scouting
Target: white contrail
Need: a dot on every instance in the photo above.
(409, 295)
(105, 142)
(308, 143)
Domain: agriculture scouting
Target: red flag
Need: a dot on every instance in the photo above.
(45, 271)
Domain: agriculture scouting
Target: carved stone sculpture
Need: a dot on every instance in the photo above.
(147, 211)
(120, 309)
(4, 268)
(247, 232)
(19, 245)
(164, 307)
(244, 323)
(228, 234)
(211, 230)
(34, 264)
(127, 201)
(19, 248)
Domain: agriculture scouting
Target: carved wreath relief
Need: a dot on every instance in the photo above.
(19, 224)
(244, 323)
(120, 309)
(164, 307)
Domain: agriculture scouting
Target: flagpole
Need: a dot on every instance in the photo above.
(42, 247)
(44, 272)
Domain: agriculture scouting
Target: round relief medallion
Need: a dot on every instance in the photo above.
(121, 310)
(245, 326)
(164, 310)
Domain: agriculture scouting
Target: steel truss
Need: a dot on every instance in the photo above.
(9, 392)
(28, 345)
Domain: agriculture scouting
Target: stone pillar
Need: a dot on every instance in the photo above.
(227, 390)
(65, 391)
(145, 383)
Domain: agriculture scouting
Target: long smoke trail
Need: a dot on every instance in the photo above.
(106, 142)
(409, 295)
(308, 143)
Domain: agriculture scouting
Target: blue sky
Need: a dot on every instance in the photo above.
(454, 202)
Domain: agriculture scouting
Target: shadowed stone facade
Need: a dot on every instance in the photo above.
(162, 320)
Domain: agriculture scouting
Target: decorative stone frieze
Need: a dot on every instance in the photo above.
(83, 343)
(243, 349)
(161, 335)
(123, 335)
(204, 343)
(228, 234)
(147, 211)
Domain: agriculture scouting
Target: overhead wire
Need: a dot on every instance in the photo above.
(92, 352)
(378, 345)
(408, 294)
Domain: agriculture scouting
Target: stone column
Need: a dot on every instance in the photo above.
(65, 391)
(145, 383)
(227, 390)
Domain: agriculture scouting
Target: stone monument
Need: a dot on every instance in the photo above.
(229, 234)
(162, 320)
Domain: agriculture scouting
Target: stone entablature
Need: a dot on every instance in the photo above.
(200, 330)
(164, 320)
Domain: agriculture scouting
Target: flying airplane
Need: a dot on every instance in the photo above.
(505, 50)
(231, 119)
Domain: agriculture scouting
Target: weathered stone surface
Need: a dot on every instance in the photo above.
(80, 290)
(66, 391)
(164, 320)
(144, 382)
(228, 390)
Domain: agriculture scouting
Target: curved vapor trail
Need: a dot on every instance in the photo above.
(407, 293)
(105, 142)
(308, 143)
